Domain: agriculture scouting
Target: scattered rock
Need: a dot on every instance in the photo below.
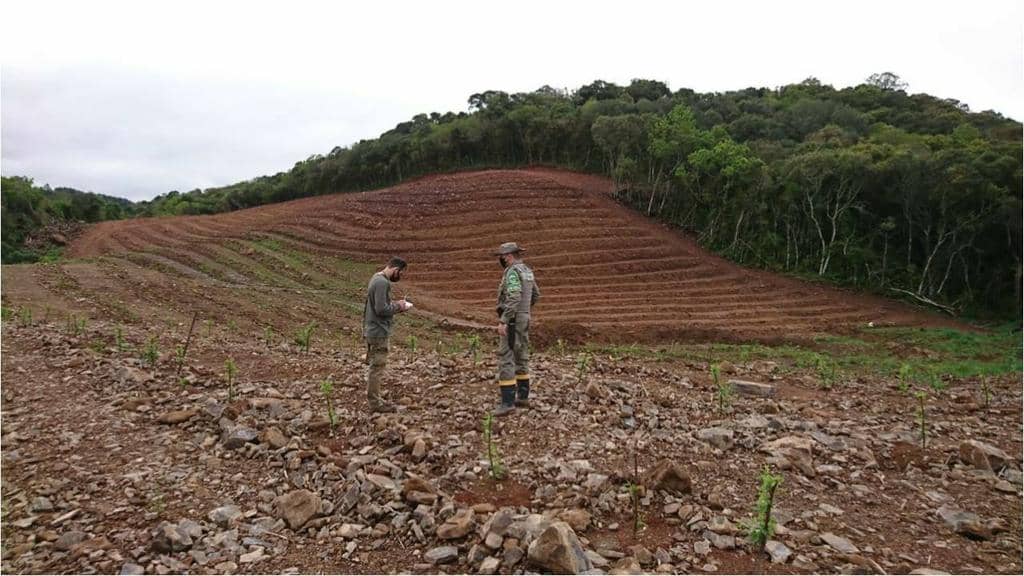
(778, 551)
(489, 565)
(274, 438)
(966, 524)
(177, 416)
(457, 526)
(224, 515)
(558, 550)
(68, 540)
(747, 388)
(170, 538)
(297, 507)
(717, 436)
(671, 477)
(577, 519)
(442, 555)
(839, 544)
(239, 436)
(983, 456)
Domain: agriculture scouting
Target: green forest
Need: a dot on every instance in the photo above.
(870, 187)
(27, 210)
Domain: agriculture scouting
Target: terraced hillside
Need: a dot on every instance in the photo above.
(606, 272)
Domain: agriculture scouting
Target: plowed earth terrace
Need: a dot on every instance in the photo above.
(606, 273)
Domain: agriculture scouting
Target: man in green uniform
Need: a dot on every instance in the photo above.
(377, 316)
(517, 293)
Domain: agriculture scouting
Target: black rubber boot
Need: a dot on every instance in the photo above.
(523, 393)
(508, 401)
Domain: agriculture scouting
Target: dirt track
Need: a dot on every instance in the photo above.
(605, 271)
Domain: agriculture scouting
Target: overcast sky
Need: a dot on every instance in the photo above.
(135, 99)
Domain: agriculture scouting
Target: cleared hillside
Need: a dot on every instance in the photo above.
(606, 273)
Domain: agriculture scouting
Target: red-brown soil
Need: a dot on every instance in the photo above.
(606, 273)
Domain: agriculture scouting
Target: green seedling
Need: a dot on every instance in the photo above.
(268, 335)
(119, 341)
(904, 377)
(826, 372)
(497, 471)
(723, 392)
(560, 347)
(635, 494)
(230, 371)
(413, 343)
(25, 316)
(327, 389)
(151, 353)
(935, 381)
(922, 417)
(473, 345)
(761, 527)
(6, 314)
(304, 335)
(986, 392)
(582, 365)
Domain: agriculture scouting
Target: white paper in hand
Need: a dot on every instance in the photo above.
(408, 305)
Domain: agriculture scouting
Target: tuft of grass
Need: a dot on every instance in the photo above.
(879, 352)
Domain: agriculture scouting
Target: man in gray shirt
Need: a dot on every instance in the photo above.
(377, 317)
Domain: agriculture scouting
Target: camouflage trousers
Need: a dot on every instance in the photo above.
(514, 353)
(376, 360)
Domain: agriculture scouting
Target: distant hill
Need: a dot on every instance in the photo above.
(869, 186)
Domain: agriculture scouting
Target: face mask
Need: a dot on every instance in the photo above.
(396, 276)
(502, 261)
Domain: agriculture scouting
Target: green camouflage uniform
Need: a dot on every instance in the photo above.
(514, 347)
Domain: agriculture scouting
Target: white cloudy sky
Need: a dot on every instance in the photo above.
(135, 99)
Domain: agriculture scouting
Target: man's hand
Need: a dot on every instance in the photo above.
(403, 305)
(502, 330)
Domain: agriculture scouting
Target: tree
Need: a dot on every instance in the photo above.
(887, 81)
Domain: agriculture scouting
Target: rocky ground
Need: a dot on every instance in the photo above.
(111, 465)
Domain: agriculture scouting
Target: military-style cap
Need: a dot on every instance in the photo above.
(508, 248)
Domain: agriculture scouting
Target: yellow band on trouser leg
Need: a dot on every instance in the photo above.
(506, 382)
(522, 376)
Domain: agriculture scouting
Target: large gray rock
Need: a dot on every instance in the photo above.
(558, 550)
(170, 538)
(983, 456)
(965, 523)
(717, 436)
(778, 551)
(747, 388)
(239, 436)
(223, 515)
(671, 477)
(297, 507)
(441, 555)
(457, 526)
(792, 452)
(839, 544)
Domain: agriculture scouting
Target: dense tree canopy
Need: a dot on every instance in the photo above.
(865, 186)
(26, 208)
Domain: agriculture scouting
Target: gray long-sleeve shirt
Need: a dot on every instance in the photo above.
(379, 310)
